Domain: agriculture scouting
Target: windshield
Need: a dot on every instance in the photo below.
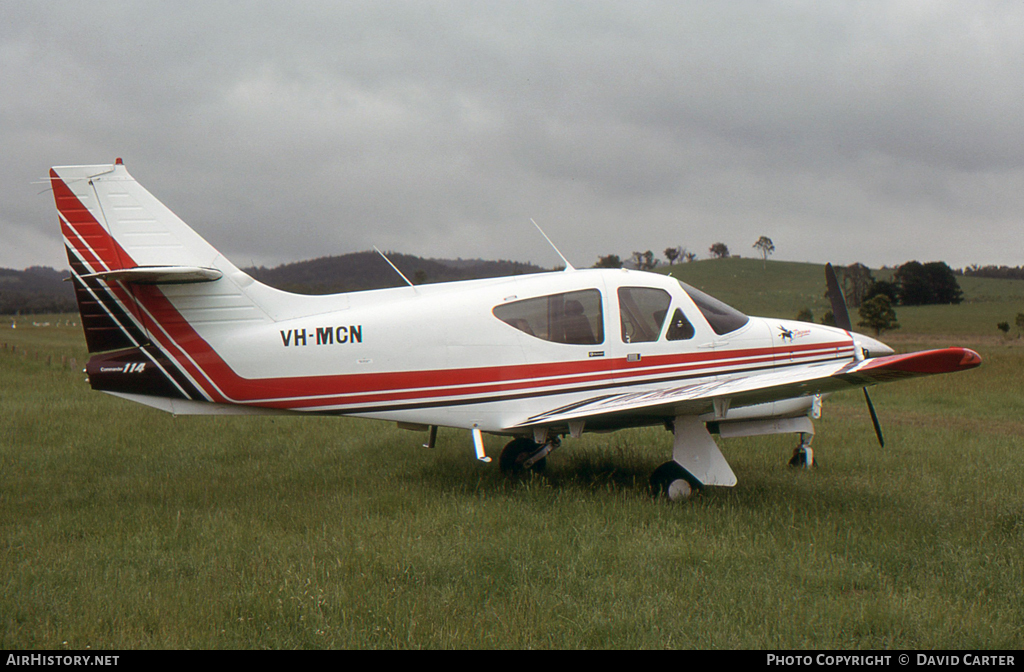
(723, 318)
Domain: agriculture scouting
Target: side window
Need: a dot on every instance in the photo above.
(680, 328)
(573, 317)
(642, 312)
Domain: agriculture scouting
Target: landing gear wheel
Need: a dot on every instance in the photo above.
(672, 481)
(803, 456)
(516, 453)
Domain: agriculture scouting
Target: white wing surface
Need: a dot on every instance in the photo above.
(733, 392)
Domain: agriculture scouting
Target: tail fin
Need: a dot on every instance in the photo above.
(124, 224)
(114, 229)
(147, 285)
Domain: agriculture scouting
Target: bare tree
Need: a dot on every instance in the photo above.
(856, 282)
(765, 246)
(644, 261)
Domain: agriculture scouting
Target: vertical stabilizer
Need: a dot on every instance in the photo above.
(116, 234)
(123, 225)
(151, 292)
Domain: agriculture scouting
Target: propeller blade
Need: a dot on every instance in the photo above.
(842, 318)
(835, 295)
(874, 419)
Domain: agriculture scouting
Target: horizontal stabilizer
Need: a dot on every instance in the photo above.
(159, 275)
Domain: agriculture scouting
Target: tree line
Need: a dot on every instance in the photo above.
(647, 261)
(999, 272)
(912, 284)
(35, 290)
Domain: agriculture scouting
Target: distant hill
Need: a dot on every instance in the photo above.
(367, 270)
(35, 290)
(783, 288)
(42, 290)
(778, 288)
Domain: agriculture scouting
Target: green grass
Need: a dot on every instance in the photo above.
(123, 527)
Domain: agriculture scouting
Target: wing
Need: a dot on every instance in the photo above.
(792, 382)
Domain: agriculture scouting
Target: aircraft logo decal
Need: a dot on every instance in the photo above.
(788, 335)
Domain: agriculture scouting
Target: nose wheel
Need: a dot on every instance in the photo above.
(803, 455)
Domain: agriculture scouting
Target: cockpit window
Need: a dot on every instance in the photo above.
(723, 318)
(642, 312)
(572, 317)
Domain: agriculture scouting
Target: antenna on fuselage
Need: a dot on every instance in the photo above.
(568, 266)
(394, 267)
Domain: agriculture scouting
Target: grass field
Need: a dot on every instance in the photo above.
(123, 527)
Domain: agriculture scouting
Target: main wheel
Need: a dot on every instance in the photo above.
(803, 457)
(515, 454)
(672, 481)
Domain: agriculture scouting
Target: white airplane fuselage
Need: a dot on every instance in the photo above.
(173, 324)
(437, 354)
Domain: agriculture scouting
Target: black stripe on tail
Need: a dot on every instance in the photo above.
(132, 363)
(107, 326)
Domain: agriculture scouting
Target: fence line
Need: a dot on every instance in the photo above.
(63, 361)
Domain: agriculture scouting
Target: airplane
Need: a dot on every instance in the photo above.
(174, 325)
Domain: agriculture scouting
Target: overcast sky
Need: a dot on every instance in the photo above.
(845, 131)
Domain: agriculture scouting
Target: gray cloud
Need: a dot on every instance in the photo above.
(871, 131)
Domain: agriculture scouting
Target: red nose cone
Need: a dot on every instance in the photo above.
(971, 359)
